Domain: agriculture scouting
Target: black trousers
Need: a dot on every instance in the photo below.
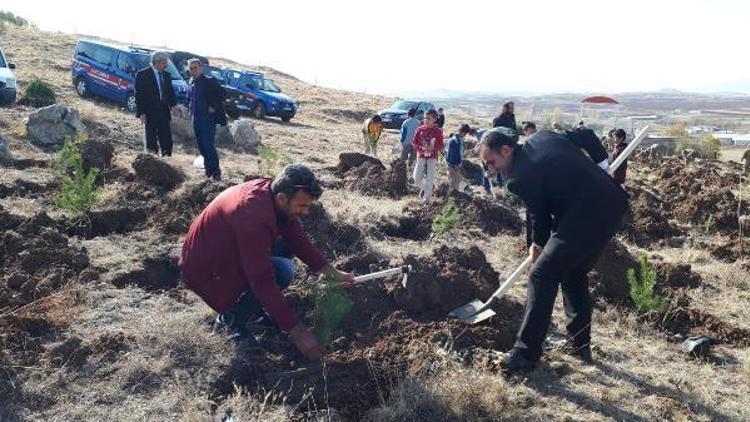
(159, 132)
(565, 262)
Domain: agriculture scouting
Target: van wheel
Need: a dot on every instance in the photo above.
(286, 119)
(82, 88)
(130, 103)
(259, 110)
(233, 113)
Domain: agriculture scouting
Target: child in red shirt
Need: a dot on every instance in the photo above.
(428, 143)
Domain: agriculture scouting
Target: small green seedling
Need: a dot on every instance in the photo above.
(332, 303)
(642, 288)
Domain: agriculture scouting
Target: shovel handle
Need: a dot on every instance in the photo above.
(507, 284)
(382, 274)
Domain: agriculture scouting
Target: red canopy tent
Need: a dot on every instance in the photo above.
(599, 99)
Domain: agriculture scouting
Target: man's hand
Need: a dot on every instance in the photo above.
(346, 279)
(306, 343)
(211, 110)
(176, 111)
(143, 119)
(534, 252)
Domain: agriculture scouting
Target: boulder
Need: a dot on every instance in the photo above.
(155, 171)
(51, 125)
(97, 154)
(244, 134)
(5, 156)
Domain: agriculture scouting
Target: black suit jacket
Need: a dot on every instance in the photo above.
(214, 96)
(587, 140)
(505, 120)
(147, 95)
(554, 179)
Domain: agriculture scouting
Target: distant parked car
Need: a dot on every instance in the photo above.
(108, 71)
(256, 94)
(7, 81)
(395, 115)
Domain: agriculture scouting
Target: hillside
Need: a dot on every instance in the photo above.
(95, 324)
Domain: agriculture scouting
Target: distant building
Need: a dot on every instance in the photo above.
(701, 129)
(736, 139)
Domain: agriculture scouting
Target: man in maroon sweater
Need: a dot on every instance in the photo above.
(227, 255)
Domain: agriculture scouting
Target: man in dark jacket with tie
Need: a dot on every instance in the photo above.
(507, 117)
(556, 181)
(155, 101)
(207, 111)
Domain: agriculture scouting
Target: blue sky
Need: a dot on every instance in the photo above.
(394, 46)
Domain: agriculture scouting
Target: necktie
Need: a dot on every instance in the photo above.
(161, 85)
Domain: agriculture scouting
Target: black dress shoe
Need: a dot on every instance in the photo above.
(515, 361)
(583, 353)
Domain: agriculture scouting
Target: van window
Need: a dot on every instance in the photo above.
(103, 55)
(85, 50)
(126, 64)
(2, 60)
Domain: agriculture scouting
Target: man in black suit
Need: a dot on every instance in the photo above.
(155, 100)
(507, 117)
(207, 111)
(556, 181)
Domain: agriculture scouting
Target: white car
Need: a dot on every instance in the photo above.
(7, 81)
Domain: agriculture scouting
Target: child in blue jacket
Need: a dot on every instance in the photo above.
(454, 156)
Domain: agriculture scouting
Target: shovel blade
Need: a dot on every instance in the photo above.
(470, 313)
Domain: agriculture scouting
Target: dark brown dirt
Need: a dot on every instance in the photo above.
(156, 273)
(471, 172)
(648, 223)
(97, 154)
(174, 215)
(608, 280)
(726, 249)
(692, 322)
(676, 276)
(157, 172)
(36, 260)
(380, 342)
(368, 175)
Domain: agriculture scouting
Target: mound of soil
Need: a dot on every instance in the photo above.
(337, 240)
(471, 172)
(608, 279)
(369, 176)
(677, 275)
(351, 160)
(156, 172)
(155, 273)
(174, 216)
(691, 322)
(97, 154)
(350, 115)
(720, 205)
(648, 223)
(415, 223)
(36, 259)
(451, 277)
(380, 341)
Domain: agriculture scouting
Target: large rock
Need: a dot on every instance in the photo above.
(244, 134)
(5, 156)
(51, 125)
(155, 171)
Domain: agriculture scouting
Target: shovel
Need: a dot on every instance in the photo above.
(476, 310)
(405, 270)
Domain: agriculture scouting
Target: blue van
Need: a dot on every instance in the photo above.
(108, 71)
(261, 96)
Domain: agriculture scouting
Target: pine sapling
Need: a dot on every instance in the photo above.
(642, 288)
(332, 303)
(449, 217)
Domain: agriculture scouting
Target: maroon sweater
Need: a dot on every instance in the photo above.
(620, 173)
(228, 250)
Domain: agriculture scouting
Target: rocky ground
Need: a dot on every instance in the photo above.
(96, 325)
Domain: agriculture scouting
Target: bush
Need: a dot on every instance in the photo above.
(711, 145)
(12, 19)
(270, 160)
(642, 288)
(39, 94)
(449, 217)
(78, 193)
(332, 303)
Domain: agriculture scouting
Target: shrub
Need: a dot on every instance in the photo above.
(642, 288)
(270, 160)
(711, 145)
(332, 303)
(77, 187)
(449, 217)
(12, 19)
(39, 94)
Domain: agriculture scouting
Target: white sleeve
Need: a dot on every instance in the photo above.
(604, 165)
